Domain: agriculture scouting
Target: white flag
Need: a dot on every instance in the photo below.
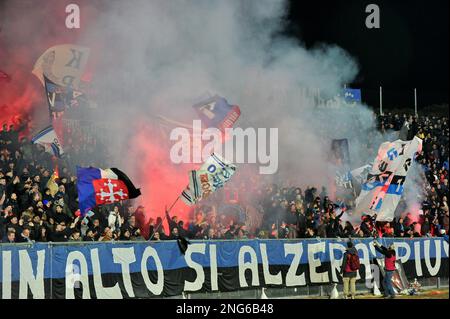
(213, 174)
(48, 138)
(360, 173)
(62, 64)
(383, 188)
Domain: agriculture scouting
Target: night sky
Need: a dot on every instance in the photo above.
(409, 50)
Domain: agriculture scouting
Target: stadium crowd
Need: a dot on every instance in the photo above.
(38, 205)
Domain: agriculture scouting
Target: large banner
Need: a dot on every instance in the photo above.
(157, 269)
(384, 186)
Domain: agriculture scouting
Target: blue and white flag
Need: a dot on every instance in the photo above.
(212, 175)
(352, 95)
(383, 188)
(48, 138)
(344, 180)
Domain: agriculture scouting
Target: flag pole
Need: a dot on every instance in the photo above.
(415, 102)
(381, 100)
(173, 204)
(160, 224)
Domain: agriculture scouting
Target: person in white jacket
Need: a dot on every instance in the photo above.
(114, 219)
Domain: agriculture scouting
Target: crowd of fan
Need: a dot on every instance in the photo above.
(290, 212)
(38, 206)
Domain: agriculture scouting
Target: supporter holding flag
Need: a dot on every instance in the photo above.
(389, 267)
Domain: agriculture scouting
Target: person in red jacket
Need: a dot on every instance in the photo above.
(349, 270)
(389, 268)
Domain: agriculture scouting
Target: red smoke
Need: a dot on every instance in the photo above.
(25, 33)
(16, 102)
(160, 180)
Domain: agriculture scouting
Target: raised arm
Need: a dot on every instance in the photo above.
(167, 213)
(381, 249)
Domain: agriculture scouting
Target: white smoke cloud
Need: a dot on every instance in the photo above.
(157, 57)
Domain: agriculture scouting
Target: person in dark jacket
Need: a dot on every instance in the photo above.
(10, 237)
(399, 227)
(61, 233)
(172, 221)
(174, 234)
(181, 230)
(389, 268)
(90, 236)
(24, 236)
(42, 234)
(349, 230)
(348, 273)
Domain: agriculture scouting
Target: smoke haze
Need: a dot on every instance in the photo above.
(151, 58)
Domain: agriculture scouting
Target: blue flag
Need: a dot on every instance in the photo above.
(60, 98)
(56, 96)
(216, 112)
(352, 95)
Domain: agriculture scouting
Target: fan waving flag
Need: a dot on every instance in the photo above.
(213, 174)
(48, 138)
(103, 186)
(216, 112)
